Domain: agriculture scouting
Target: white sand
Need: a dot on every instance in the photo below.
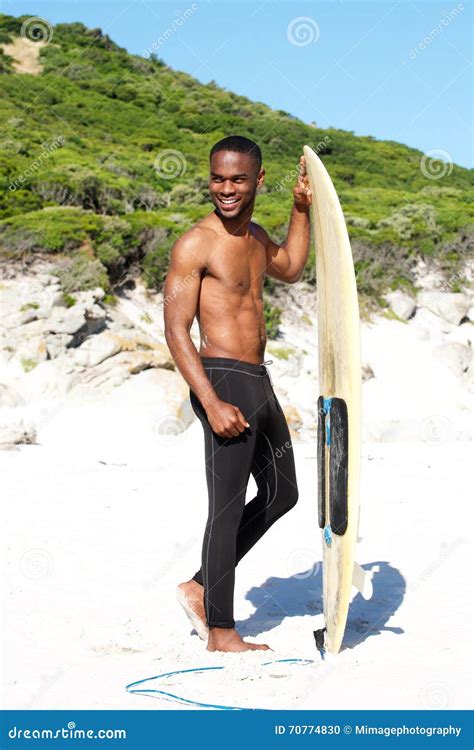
(93, 552)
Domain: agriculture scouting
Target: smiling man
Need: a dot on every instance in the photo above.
(216, 274)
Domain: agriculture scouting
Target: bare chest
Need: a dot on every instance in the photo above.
(238, 268)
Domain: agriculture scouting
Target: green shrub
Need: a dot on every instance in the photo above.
(81, 273)
(123, 110)
(69, 300)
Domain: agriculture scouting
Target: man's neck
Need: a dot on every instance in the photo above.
(238, 227)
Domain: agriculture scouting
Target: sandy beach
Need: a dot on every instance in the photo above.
(105, 515)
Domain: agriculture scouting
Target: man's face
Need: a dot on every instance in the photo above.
(233, 182)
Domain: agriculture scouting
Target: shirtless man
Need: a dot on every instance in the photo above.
(216, 274)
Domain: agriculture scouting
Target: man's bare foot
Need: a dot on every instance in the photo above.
(191, 597)
(228, 639)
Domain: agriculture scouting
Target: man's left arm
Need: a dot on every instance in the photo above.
(286, 262)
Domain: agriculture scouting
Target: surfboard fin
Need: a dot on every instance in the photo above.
(362, 580)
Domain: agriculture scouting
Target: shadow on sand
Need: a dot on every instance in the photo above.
(301, 594)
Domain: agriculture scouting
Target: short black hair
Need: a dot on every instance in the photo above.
(240, 144)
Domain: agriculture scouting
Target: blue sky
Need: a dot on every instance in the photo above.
(396, 70)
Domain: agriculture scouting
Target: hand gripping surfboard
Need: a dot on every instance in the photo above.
(339, 403)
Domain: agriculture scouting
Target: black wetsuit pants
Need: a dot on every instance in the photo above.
(264, 450)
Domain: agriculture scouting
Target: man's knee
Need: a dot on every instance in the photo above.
(226, 516)
(287, 500)
(292, 497)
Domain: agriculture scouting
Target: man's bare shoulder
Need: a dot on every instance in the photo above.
(194, 242)
(259, 233)
(199, 234)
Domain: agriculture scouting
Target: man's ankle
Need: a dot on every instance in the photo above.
(219, 632)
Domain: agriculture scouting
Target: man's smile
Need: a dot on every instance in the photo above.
(228, 201)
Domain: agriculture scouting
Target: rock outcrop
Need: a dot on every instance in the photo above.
(56, 346)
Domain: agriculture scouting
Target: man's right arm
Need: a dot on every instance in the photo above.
(181, 294)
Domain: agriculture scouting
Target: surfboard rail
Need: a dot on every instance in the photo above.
(339, 402)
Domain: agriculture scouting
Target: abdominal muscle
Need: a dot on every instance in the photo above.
(232, 325)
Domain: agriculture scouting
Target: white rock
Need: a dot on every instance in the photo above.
(70, 320)
(16, 431)
(19, 317)
(86, 298)
(98, 293)
(56, 344)
(429, 326)
(57, 299)
(52, 378)
(97, 348)
(9, 397)
(456, 356)
(367, 372)
(124, 364)
(32, 350)
(46, 278)
(10, 367)
(43, 312)
(401, 304)
(453, 307)
(5, 357)
(464, 334)
(96, 312)
(89, 297)
(33, 328)
(33, 292)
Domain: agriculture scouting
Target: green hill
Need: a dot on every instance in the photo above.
(85, 174)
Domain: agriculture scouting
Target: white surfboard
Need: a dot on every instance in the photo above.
(340, 394)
